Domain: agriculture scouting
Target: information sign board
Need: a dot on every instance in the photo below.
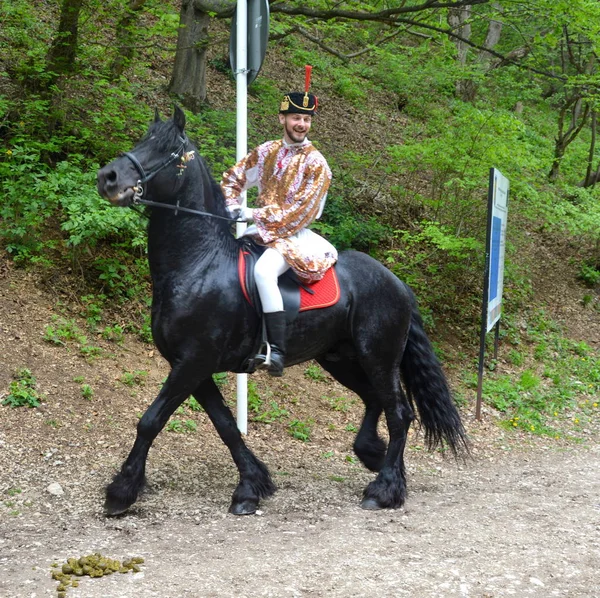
(497, 215)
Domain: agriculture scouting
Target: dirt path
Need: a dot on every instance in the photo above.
(521, 519)
(519, 524)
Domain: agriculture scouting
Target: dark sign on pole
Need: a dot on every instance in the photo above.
(258, 37)
(494, 268)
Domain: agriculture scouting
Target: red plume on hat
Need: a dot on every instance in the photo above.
(297, 102)
(307, 74)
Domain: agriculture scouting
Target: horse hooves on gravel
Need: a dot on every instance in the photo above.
(370, 504)
(114, 508)
(245, 507)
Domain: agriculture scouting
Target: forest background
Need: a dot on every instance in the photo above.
(418, 100)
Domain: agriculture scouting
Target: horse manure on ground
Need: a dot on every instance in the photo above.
(93, 565)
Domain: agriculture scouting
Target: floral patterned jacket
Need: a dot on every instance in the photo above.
(292, 181)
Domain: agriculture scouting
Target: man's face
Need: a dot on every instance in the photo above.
(295, 126)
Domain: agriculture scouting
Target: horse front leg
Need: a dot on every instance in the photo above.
(255, 481)
(124, 490)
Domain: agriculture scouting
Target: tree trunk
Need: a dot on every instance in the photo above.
(188, 80)
(492, 38)
(63, 50)
(125, 36)
(591, 178)
(458, 21)
(565, 138)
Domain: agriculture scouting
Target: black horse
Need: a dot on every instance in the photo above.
(371, 341)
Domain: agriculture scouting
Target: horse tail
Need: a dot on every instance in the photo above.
(427, 388)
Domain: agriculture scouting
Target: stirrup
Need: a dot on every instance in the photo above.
(262, 361)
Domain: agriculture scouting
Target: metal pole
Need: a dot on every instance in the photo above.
(486, 297)
(496, 339)
(241, 150)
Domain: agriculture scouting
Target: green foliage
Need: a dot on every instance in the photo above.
(220, 379)
(348, 230)
(342, 404)
(411, 192)
(271, 414)
(193, 404)
(214, 133)
(314, 372)
(300, 429)
(254, 400)
(87, 392)
(122, 276)
(589, 274)
(566, 389)
(22, 390)
(63, 331)
(187, 426)
(135, 378)
(437, 263)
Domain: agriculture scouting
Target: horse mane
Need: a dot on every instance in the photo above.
(218, 205)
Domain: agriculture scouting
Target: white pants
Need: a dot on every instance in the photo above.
(267, 270)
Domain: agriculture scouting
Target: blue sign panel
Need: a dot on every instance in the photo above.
(495, 257)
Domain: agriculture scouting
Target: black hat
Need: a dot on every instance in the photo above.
(298, 102)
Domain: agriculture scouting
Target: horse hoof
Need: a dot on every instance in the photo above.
(112, 509)
(245, 507)
(370, 504)
(116, 505)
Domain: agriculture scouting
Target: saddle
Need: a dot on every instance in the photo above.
(297, 295)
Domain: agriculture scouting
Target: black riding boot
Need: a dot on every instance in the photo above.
(275, 323)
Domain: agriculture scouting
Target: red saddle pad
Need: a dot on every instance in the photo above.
(326, 292)
(323, 293)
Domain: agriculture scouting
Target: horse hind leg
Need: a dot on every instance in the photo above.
(255, 481)
(388, 490)
(368, 446)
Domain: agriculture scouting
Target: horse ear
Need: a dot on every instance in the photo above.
(179, 118)
(156, 116)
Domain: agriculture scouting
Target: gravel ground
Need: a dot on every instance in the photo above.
(521, 518)
(515, 524)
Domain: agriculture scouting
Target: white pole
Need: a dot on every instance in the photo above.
(241, 150)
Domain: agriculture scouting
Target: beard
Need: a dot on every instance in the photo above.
(295, 136)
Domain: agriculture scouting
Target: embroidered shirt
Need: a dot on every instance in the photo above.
(292, 181)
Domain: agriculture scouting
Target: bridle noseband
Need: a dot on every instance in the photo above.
(139, 190)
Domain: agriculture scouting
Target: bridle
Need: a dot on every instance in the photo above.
(140, 191)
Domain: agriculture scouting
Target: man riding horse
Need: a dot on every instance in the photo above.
(292, 177)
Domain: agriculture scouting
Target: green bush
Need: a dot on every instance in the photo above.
(22, 390)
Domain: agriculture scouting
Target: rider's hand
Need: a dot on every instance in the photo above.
(246, 214)
(240, 213)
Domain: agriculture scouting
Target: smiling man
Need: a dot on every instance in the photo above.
(292, 177)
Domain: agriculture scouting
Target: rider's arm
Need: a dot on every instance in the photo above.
(302, 205)
(239, 178)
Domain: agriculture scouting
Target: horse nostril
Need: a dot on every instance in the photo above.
(107, 177)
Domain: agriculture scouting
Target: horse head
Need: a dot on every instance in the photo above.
(162, 154)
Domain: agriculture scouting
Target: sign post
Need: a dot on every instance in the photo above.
(493, 279)
(247, 48)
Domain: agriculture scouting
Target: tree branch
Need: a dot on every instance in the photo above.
(383, 15)
(334, 52)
